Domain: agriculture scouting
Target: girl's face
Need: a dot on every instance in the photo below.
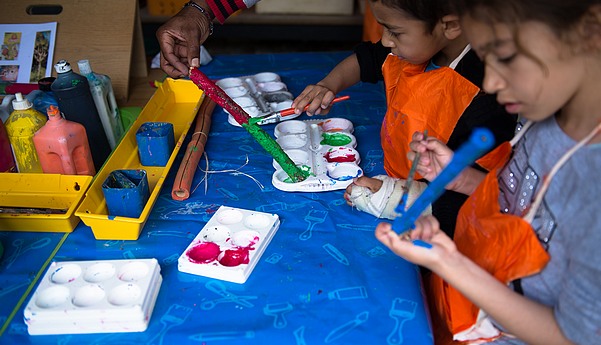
(409, 39)
(535, 84)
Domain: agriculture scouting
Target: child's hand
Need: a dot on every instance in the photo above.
(426, 229)
(373, 184)
(318, 98)
(434, 155)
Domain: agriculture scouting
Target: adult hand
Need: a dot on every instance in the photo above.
(180, 39)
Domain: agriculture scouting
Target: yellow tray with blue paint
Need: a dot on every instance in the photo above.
(40, 202)
(175, 101)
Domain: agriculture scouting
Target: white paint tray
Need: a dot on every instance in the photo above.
(324, 148)
(229, 246)
(106, 296)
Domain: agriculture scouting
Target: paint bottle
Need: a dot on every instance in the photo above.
(75, 101)
(43, 97)
(106, 104)
(7, 161)
(21, 125)
(62, 146)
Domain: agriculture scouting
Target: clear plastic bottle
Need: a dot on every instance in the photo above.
(75, 101)
(21, 125)
(106, 104)
(62, 146)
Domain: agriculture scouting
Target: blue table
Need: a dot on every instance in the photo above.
(299, 293)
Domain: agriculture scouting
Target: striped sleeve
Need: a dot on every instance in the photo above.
(224, 8)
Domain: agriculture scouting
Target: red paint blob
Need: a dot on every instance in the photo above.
(339, 159)
(204, 252)
(235, 257)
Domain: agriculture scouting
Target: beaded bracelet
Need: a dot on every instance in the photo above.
(203, 11)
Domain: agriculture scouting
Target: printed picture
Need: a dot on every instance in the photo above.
(40, 56)
(10, 46)
(9, 73)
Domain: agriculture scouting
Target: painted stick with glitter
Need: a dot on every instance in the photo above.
(265, 140)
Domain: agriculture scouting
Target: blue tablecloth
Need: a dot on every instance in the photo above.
(299, 293)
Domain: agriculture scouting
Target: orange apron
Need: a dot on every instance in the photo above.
(416, 101)
(505, 245)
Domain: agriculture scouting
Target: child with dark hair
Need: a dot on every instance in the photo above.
(524, 266)
(432, 80)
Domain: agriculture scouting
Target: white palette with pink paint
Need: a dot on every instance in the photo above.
(107, 296)
(324, 148)
(229, 246)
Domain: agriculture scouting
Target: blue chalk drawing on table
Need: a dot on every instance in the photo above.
(347, 327)
(372, 158)
(226, 297)
(336, 254)
(274, 258)
(299, 336)
(314, 217)
(14, 287)
(402, 310)
(334, 204)
(171, 259)
(217, 336)
(278, 311)
(170, 233)
(348, 293)
(376, 251)
(228, 194)
(176, 315)
(281, 206)
(22, 249)
(369, 228)
(192, 208)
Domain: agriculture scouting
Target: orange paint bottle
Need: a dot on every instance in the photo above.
(62, 146)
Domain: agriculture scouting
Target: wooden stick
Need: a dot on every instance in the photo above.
(194, 151)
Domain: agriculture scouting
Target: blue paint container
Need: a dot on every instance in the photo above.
(155, 143)
(126, 192)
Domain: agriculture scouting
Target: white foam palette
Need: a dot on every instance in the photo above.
(260, 95)
(107, 296)
(324, 147)
(229, 246)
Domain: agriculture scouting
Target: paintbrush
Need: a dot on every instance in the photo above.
(278, 115)
(480, 141)
(402, 207)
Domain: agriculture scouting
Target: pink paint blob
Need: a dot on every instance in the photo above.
(204, 252)
(235, 257)
(340, 155)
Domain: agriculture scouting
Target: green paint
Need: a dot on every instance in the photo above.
(335, 139)
(306, 170)
(275, 150)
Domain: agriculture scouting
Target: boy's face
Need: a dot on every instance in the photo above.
(536, 83)
(409, 39)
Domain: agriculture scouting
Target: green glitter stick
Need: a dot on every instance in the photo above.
(265, 140)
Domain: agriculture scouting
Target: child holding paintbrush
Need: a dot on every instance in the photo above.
(524, 266)
(432, 81)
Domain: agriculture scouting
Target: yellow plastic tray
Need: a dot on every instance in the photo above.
(175, 101)
(41, 191)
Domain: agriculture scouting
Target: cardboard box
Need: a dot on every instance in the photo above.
(108, 33)
(329, 7)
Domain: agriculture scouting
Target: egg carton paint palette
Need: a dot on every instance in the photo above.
(324, 148)
(260, 95)
(229, 246)
(107, 296)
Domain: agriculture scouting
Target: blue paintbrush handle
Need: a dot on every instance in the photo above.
(480, 141)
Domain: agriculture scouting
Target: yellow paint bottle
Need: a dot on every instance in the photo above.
(21, 125)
